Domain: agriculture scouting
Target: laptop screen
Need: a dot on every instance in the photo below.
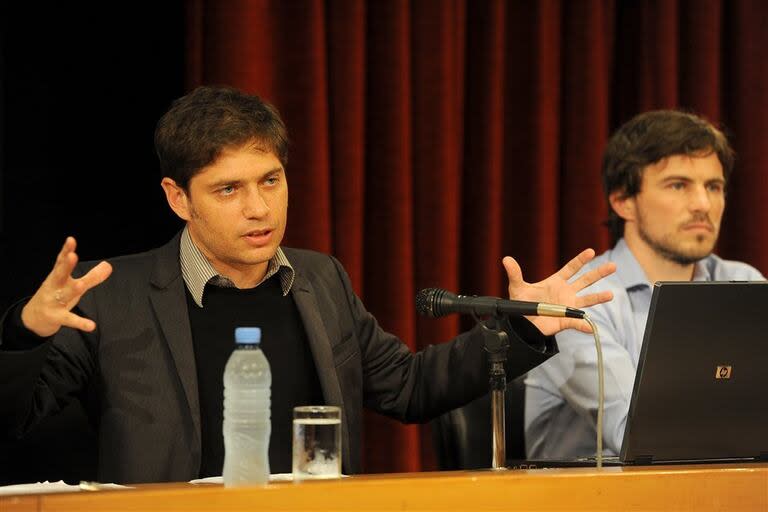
(701, 386)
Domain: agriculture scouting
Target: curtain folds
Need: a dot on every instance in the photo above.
(432, 137)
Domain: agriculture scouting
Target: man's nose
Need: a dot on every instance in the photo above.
(700, 199)
(255, 205)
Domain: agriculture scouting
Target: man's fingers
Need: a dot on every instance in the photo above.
(95, 276)
(582, 326)
(71, 293)
(514, 272)
(573, 266)
(69, 245)
(579, 325)
(78, 322)
(49, 309)
(47, 322)
(65, 262)
(593, 298)
(594, 275)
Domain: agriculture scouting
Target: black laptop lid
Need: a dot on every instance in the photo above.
(702, 378)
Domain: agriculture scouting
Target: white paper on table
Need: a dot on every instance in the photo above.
(276, 477)
(60, 486)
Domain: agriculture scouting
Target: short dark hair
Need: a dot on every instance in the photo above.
(648, 138)
(210, 119)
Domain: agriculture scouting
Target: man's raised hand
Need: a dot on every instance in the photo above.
(50, 308)
(556, 289)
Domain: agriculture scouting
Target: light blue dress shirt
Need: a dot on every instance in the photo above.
(561, 394)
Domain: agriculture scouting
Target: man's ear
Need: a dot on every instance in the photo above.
(177, 198)
(623, 205)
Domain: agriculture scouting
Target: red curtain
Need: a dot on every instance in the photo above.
(432, 137)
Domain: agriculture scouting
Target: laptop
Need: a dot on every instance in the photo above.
(701, 387)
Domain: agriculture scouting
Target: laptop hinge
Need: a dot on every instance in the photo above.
(644, 460)
(763, 456)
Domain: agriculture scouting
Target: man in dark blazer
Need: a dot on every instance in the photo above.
(148, 334)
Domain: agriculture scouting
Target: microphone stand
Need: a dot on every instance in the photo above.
(496, 344)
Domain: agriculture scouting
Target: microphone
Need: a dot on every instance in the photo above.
(436, 302)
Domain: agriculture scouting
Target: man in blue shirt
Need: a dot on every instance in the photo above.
(664, 176)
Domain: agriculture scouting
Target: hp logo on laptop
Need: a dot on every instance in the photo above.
(723, 372)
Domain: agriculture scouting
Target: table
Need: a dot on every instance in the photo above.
(696, 487)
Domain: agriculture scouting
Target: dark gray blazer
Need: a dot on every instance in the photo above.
(140, 365)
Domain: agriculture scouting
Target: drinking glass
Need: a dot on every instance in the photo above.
(316, 442)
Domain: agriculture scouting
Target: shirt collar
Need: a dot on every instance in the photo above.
(702, 271)
(632, 274)
(197, 271)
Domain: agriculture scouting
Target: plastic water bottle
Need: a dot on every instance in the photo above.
(247, 424)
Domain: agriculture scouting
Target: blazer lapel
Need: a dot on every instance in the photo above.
(168, 300)
(304, 296)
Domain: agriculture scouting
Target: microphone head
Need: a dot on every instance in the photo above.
(427, 302)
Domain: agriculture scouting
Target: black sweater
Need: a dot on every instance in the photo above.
(284, 342)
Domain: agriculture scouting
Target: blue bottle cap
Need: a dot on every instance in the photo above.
(248, 335)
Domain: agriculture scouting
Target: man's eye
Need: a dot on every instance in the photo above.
(716, 187)
(678, 185)
(273, 180)
(225, 191)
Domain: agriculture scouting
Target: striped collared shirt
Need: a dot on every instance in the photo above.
(197, 271)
